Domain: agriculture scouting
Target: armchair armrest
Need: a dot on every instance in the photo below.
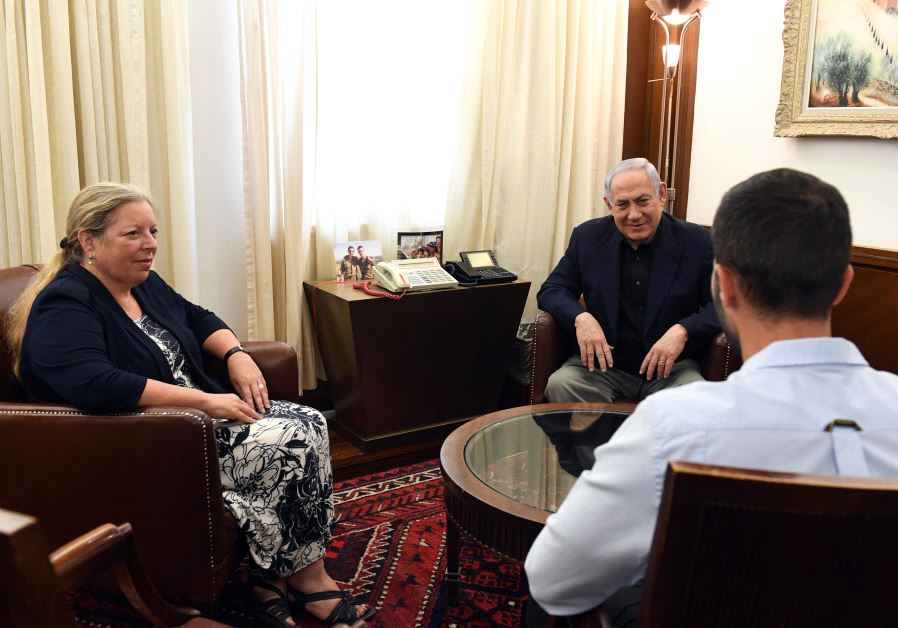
(720, 359)
(279, 365)
(276, 360)
(546, 355)
(157, 469)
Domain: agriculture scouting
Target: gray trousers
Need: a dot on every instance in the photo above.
(574, 382)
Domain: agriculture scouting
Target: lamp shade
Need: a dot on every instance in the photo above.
(678, 8)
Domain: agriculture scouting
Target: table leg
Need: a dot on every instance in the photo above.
(452, 559)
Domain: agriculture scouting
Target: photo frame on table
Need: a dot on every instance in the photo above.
(417, 243)
(355, 260)
(840, 69)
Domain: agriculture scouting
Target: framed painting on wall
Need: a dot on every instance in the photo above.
(840, 69)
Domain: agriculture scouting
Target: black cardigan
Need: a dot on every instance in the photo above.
(82, 349)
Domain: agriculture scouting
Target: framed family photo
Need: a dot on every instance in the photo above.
(840, 69)
(418, 243)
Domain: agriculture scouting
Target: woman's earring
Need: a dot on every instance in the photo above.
(90, 258)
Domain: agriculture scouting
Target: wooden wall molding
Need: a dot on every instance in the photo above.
(876, 258)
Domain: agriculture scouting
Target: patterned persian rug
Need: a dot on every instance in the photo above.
(389, 545)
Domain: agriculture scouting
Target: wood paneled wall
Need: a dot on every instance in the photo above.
(867, 315)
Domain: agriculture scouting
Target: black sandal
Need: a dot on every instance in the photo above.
(274, 612)
(344, 613)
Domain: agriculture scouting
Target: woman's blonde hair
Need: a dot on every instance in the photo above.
(90, 211)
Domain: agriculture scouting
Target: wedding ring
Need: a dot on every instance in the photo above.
(261, 386)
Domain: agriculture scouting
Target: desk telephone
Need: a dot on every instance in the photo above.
(413, 275)
(479, 267)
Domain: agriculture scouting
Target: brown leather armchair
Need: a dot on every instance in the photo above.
(156, 468)
(547, 354)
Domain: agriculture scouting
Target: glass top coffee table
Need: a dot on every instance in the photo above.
(507, 471)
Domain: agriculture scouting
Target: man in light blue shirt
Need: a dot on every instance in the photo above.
(782, 245)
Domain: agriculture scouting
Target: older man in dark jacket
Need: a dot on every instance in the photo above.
(645, 278)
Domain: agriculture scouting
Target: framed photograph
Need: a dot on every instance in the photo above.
(355, 260)
(840, 69)
(416, 243)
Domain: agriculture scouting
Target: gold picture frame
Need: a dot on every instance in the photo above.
(808, 104)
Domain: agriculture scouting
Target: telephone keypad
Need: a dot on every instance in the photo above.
(426, 276)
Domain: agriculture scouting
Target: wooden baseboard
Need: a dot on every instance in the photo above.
(348, 461)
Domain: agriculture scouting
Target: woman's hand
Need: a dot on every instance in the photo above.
(248, 382)
(229, 406)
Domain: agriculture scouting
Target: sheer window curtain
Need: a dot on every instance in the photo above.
(277, 44)
(93, 91)
(350, 110)
(545, 103)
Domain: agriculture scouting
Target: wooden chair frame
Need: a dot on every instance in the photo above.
(33, 581)
(742, 547)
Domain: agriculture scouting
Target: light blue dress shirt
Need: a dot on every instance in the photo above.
(771, 415)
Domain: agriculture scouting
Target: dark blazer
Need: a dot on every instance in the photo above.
(679, 284)
(82, 349)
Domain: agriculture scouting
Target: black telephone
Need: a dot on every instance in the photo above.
(478, 268)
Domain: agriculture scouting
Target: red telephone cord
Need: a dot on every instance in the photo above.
(365, 286)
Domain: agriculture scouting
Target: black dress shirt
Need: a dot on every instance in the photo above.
(635, 269)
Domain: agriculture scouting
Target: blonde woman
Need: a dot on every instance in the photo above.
(100, 330)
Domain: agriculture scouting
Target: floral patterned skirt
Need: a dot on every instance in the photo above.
(277, 481)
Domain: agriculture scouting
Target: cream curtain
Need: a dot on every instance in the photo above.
(545, 94)
(277, 62)
(389, 75)
(346, 137)
(95, 90)
(360, 119)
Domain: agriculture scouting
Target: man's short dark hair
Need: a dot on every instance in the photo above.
(787, 236)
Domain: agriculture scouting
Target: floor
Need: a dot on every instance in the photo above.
(348, 461)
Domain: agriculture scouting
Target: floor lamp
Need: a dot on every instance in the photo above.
(674, 18)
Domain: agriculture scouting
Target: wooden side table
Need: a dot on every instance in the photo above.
(413, 369)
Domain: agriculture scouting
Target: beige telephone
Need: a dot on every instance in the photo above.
(413, 275)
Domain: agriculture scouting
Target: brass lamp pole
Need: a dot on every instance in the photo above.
(674, 18)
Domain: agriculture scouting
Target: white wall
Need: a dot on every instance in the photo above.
(737, 92)
(217, 158)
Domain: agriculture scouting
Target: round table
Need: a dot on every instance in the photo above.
(506, 471)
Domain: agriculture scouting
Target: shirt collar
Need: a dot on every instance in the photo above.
(806, 351)
(644, 247)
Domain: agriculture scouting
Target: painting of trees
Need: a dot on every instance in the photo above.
(860, 74)
(853, 60)
(840, 69)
